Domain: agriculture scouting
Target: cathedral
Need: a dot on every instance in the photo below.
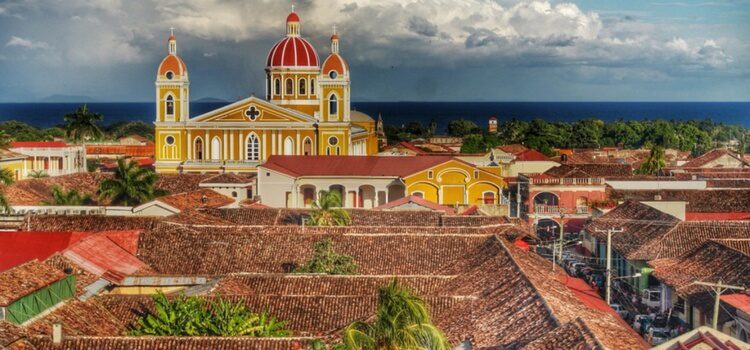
(306, 111)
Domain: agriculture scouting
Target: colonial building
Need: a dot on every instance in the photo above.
(306, 111)
(368, 182)
(51, 158)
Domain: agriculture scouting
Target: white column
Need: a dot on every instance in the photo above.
(224, 152)
(298, 144)
(263, 147)
(189, 146)
(206, 148)
(273, 142)
(231, 145)
(243, 152)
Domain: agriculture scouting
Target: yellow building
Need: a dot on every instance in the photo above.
(306, 111)
(369, 182)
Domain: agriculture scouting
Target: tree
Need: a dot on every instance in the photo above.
(6, 178)
(72, 197)
(119, 129)
(131, 185)
(402, 321)
(327, 211)
(586, 133)
(654, 163)
(37, 174)
(473, 144)
(195, 316)
(83, 124)
(462, 127)
(326, 260)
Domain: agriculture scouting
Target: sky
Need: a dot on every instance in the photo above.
(398, 50)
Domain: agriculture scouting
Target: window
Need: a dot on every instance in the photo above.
(170, 75)
(332, 74)
(488, 197)
(169, 140)
(199, 149)
(253, 147)
(252, 113)
(312, 86)
(290, 87)
(333, 106)
(333, 140)
(430, 174)
(302, 86)
(476, 174)
(418, 194)
(215, 149)
(170, 105)
(234, 194)
(307, 149)
(288, 146)
(277, 87)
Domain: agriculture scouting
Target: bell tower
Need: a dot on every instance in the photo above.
(172, 86)
(334, 86)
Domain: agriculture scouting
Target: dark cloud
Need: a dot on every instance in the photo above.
(422, 26)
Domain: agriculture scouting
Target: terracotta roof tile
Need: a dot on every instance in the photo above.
(711, 156)
(172, 343)
(202, 198)
(590, 170)
(228, 178)
(701, 201)
(24, 279)
(351, 165)
(10, 333)
(419, 201)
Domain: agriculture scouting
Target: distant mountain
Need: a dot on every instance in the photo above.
(66, 99)
(210, 99)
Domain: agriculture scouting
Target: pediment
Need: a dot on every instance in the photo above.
(253, 110)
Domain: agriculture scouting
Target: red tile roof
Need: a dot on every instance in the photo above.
(104, 257)
(698, 201)
(531, 155)
(38, 144)
(228, 178)
(513, 148)
(202, 198)
(738, 301)
(24, 279)
(712, 156)
(172, 343)
(418, 201)
(352, 165)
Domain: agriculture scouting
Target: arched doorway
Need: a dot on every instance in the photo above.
(547, 229)
(288, 146)
(342, 193)
(308, 195)
(546, 203)
(307, 148)
(367, 196)
(198, 149)
(396, 191)
(215, 149)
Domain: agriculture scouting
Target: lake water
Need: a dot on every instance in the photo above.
(397, 113)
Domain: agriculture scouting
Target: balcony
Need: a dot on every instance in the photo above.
(556, 210)
(567, 181)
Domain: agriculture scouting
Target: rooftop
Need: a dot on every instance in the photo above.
(351, 165)
(698, 201)
(713, 155)
(24, 279)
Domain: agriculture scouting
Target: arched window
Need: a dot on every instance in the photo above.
(307, 147)
(333, 106)
(168, 150)
(312, 86)
(170, 106)
(253, 147)
(488, 197)
(198, 149)
(302, 86)
(288, 147)
(277, 87)
(215, 149)
(289, 87)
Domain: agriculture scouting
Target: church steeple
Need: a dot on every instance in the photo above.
(334, 41)
(292, 24)
(172, 42)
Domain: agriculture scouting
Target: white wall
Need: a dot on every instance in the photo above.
(273, 186)
(530, 167)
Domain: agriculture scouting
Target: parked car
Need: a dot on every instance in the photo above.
(620, 310)
(656, 337)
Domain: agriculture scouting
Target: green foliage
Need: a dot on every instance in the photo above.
(195, 316)
(402, 321)
(654, 163)
(131, 185)
(326, 260)
(462, 127)
(24, 132)
(92, 165)
(7, 177)
(479, 143)
(4, 204)
(37, 174)
(72, 197)
(83, 124)
(327, 211)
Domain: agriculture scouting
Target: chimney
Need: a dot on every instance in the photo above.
(57, 333)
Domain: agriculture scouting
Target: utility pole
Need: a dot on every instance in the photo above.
(718, 288)
(562, 235)
(608, 287)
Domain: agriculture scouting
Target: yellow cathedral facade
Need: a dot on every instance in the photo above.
(306, 111)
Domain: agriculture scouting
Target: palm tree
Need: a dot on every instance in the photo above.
(6, 178)
(131, 185)
(5, 140)
(402, 321)
(327, 211)
(72, 197)
(83, 124)
(37, 174)
(654, 163)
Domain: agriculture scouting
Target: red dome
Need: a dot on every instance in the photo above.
(174, 64)
(292, 51)
(335, 62)
(292, 17)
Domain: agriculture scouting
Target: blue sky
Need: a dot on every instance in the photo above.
(431, 50)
